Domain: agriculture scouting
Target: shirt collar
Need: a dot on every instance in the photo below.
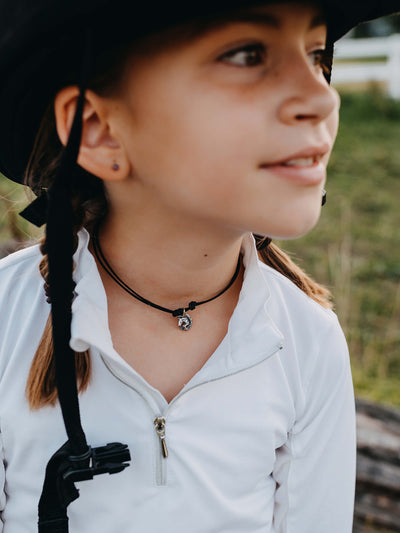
(252, 336)
(89, 326)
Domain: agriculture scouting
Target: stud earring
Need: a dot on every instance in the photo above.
(115, 166)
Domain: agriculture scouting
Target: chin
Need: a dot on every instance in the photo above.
(294, 226)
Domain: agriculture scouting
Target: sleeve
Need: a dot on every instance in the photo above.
(315, 469)
(2, 482)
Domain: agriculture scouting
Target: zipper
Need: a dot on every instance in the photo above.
(160, 446)
(161, 456)
(160, 420)
(159, 424)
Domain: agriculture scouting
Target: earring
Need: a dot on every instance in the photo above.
(115, 166)
(323, 197)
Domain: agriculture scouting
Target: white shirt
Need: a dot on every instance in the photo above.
(260, 440)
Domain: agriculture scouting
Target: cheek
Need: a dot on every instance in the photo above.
(332, 125)
(333, 119)
(197, 143)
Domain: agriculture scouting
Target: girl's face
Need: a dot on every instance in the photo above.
(234, 128)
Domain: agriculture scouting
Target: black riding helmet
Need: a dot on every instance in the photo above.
(44, 46)
(34, 64)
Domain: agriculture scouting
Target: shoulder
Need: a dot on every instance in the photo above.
(314, 340)
(19, 269)
(20, 259)
(296, 302)
(21, 284)
(23, 307)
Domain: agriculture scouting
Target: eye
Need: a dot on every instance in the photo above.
(317, 57)
(321, 58)
(250, 55)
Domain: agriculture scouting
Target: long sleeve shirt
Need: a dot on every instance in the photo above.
(260, 440)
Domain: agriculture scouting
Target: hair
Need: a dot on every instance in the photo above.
(90, 206)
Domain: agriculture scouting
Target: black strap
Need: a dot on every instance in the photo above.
(64, 469)
(75, 460)
(53, 505)
(59, 241)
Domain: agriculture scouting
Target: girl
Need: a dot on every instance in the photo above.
(186, 132)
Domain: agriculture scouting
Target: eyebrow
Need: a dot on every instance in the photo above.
(266, 19)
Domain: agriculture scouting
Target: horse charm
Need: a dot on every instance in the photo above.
(184, 321)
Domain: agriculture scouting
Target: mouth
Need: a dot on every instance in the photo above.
(302, 161)
(302, 168)
(303, 158)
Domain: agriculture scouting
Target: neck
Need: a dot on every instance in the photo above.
(168, 263)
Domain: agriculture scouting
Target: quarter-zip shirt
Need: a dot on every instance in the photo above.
(260, 440)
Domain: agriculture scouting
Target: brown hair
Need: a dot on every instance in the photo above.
(89, 207)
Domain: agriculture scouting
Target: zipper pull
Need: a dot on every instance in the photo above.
(159, 423)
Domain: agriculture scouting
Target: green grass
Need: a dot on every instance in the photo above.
(13, 199)
(355, 249)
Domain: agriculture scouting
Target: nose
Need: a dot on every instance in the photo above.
(308, 97)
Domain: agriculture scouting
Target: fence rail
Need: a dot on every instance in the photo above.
(380, 62)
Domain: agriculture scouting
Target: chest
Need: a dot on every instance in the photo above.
(151, 342)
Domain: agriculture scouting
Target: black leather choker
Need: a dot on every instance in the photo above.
(185, 321)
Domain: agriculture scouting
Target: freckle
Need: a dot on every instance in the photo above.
(205, 255)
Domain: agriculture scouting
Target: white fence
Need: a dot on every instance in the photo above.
(384, 64)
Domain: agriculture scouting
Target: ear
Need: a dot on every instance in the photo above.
(101, 153)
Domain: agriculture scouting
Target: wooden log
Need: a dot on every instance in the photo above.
(377, 505)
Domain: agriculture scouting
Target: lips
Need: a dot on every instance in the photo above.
(304, 168)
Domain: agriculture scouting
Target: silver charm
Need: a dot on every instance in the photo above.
(185, 321)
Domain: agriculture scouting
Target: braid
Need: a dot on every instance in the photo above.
(41, 384)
